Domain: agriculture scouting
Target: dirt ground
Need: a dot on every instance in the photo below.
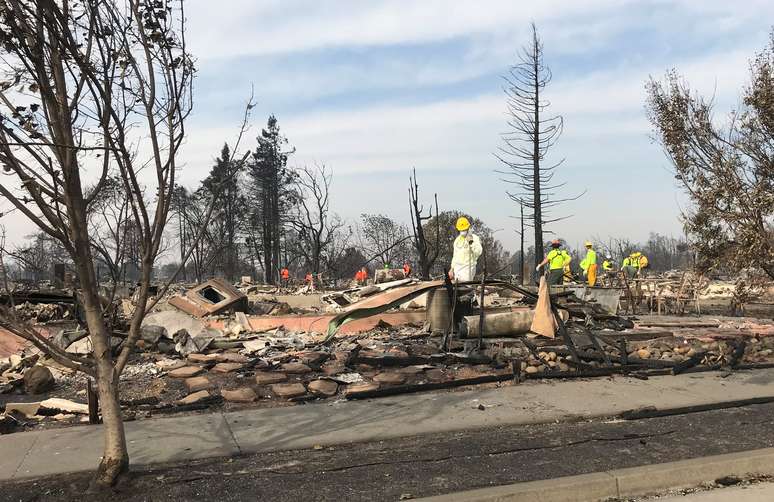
(429, 465)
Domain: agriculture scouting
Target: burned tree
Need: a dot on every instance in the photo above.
(93, 89)
(272, 194)
(315, 226)
(531, 134)
(383, 239)
(726, 170)
(36, 257)
(198, 242)
(426, 254)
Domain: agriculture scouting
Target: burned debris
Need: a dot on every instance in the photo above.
(220, 345)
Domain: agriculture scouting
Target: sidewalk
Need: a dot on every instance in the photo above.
(761, 492)
(41, 453)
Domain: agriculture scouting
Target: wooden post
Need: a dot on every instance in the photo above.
(629, 296)
(93, 404)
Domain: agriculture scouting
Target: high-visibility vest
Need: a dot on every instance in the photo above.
(606, 265)
(590, 259)
(557, 258)
(631, 262)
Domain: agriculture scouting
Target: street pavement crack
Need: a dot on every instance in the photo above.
(26, 454)
(231, 432)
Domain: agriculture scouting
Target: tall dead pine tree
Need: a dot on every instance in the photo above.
(531, 134)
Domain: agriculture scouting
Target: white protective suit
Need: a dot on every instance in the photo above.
(467, 249)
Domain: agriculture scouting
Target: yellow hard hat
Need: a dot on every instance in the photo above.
(588, 244)
(462, 223)
(636, 253)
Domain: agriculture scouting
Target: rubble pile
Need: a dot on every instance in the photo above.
(42, 312)
(219, 345)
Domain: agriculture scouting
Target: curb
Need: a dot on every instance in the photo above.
(629, 482)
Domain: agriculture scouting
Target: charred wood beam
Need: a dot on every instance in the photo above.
(754, 366)
(152, 400)
(413, 388)
(738, 353)
(598, 347)
(390, 360)
(174, 408)
(565, 335)
(688, 363)
(587, 373)
(623, 349)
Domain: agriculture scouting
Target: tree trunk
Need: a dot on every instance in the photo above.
(536, 161)
(115, 458)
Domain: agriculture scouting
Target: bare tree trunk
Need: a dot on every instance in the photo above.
(115, 458)
(538, 213)
(532, 132)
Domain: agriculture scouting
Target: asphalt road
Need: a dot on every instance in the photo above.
(432, 464)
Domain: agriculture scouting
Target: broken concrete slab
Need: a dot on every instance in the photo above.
(173, 321)
(333, 368)
(201, 358)
(226, 367)
(243, 321)
(170, 364)
(195, 384)
(269, 377)
(312, 358)
(242, 395)
(186, 344)
(231, 357)
(194, 398)
(436, 375)
(65, 405)
(185, 372)
(288, 390)
(391, 378)
(252, 346)
(65, 338)
(212, 297)
(300, 301)
(27, 409)
(323, 387)
(152, 334)
(296, 368)
(360, 387)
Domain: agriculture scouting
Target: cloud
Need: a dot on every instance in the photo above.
(284, 27)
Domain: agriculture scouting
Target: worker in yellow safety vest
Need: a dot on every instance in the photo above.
(642, 263)
(556, 259)
(589, 264)
(608, 265)
(634, 264)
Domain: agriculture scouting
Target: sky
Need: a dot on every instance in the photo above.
(375, 88)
